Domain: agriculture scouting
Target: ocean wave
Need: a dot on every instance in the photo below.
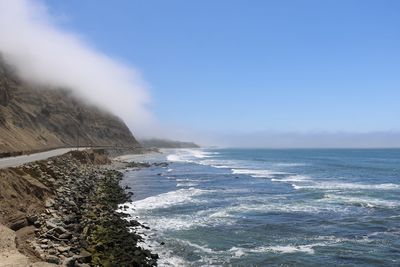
(223, 163)
(293, 178)
(187, 184)
(288, 248)
(238, 252)
(166, 200)
(198, 248)
(321, 241)
(361, 201)
(239, 210)
(171, 223)
(186, 180)
(257, 173)
(185, 222)
(290, 164)
(349, 186)
(167, 258)
(178, 158)
(189, 155)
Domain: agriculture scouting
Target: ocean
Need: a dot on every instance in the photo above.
(261, 207)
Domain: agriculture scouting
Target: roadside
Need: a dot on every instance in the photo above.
(23, 159)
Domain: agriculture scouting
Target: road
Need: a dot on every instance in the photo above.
(19, 160)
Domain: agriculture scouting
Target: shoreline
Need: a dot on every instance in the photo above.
(63, 210)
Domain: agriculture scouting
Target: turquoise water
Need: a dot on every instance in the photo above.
(242, 207)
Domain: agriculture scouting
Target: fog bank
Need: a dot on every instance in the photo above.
(389, 139)
(47, 55)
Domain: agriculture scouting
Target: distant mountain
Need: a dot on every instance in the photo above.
(33, 118)
(164, 143)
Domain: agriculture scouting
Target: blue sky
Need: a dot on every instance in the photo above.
(282, 66)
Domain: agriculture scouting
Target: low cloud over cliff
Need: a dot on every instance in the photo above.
(47, 55)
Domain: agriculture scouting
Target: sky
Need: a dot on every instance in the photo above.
(260, 68)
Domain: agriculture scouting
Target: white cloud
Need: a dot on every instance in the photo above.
(45, 54)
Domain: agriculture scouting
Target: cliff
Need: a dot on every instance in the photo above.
(164, 143)
(33, 118)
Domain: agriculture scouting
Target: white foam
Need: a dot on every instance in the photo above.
(186, 184)
(237, 252)
(224, 163)
(312, 207)
(185, 222)
(257, 173)
(287, 249)
(188, 155)
(362, 201)
(198, 248)
(167, 257)
(349, 186)
(171, 223)
(321, 241)
(166, 200)
(177, 158)
(170, 260)
(293, 178)
(185, 180)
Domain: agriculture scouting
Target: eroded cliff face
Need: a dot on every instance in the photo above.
(33, 118)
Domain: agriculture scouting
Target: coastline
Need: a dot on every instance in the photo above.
(63, 211)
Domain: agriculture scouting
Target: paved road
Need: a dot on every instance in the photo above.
(19, 160)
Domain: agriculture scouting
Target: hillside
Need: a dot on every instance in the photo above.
(164, 143)
(33, 118)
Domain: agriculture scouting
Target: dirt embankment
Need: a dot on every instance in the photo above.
(61, 211)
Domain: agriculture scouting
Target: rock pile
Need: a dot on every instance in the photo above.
(80, 225)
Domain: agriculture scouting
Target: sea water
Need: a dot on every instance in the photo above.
(259, 207)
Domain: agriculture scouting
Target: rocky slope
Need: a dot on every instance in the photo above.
(62, 211)
(33, 118)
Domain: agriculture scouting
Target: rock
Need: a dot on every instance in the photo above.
(66, 235)
(63, 249)
(134, 223)
(50, 225)
(60, 230)
(32, 218)
(42, 264)
(70, 219)
(69, 262)
(17, 221)
(37, 224)
(52, 259)
(49, 203)
(84, 256)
